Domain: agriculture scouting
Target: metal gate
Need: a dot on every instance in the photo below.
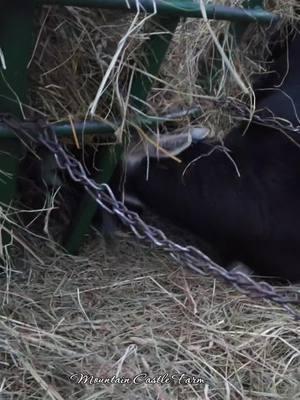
(16, 44)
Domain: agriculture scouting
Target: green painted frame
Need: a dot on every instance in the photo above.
(16, 44)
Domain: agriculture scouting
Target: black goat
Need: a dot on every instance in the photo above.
(245, 205)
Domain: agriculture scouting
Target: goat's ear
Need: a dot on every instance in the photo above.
(167, 145)
(175, 144)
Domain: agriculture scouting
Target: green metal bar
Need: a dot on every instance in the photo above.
(104, 130)
(154, 51)
(151, 58)
(85, 128)
(16, 41)
(106, 161)
(170, 8)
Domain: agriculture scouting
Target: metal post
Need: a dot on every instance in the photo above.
(16, 39)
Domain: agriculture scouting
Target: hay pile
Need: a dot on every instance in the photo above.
(123, 309)
(128, 310)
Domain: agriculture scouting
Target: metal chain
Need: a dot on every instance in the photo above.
(189, 256)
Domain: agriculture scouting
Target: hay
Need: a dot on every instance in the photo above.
(76, 48)
(123, 308)
(132, 310)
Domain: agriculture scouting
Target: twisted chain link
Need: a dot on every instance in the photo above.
(189, 256)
